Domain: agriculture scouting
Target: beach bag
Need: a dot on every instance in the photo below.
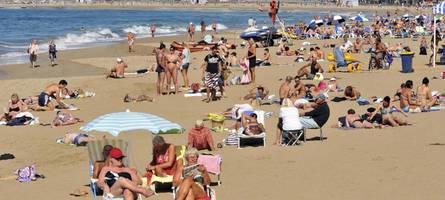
(26, 174)
(422, 51)
(245, 79)
(195, 87)
(232, 139)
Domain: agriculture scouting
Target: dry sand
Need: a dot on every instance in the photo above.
(390, 163)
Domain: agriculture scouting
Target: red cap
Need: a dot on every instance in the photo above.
(116, 153)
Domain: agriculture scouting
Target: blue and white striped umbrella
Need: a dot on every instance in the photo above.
(439, 8)
(114, 123)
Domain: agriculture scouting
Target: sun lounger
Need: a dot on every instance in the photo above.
(253, 140)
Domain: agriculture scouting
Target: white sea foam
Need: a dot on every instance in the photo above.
(72, 40)
(141, 30)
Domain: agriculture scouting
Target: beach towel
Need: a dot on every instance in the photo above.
(362, 101)
(339, 99)
(211, 163)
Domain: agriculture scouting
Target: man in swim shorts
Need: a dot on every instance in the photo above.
(52, 91)
(118, 70)
(130, 37)
(160, 67)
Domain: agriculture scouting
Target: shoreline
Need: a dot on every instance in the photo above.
(211, 6)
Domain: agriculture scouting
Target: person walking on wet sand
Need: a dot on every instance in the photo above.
(32, 51)
(153, 30)
(191, 32)
(130, 37)
(52, 53)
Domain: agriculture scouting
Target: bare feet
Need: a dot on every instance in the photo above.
(148, 193)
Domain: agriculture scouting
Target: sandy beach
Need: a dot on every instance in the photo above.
(390, 163)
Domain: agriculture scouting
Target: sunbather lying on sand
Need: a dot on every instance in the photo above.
(78, 139)
(64, 118)
(386, 110)
(351, 93)
(258, 92)
(354, 120)
(139, 98)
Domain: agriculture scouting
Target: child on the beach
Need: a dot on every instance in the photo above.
(225, 75)
(233, 60)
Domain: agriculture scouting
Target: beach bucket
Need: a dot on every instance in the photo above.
(331, 68)
(217, 120)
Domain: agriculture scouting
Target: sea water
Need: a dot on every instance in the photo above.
(80, 28)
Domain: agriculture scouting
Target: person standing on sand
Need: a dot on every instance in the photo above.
(172, 64)
(191, 32)
(285, 89)
(32, 51)
(251, 55)
(211, 73)
(160, 67)
(153, 30)
(185, 64)
(203, 29)
(130, 37)
(52, 53)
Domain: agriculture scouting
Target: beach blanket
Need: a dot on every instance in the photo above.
(211, 163)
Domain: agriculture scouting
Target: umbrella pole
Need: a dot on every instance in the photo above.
(434, 41)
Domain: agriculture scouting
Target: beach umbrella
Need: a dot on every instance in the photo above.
(115, 123)
(407, 15)
(359, 18)
(317, 22)
(339, 19)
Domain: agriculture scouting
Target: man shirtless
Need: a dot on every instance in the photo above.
(406, 100)
(299, 89)
(118, 70)
(309, 70)
(191, 32)
(285, 89)
(51, 91)
(160, 67)
(425, 98)
(258, 92)
(172, 66)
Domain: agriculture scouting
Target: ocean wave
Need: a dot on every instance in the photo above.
(71, 40)
(13, 54)
(142, 30)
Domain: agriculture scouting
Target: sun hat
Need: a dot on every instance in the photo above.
(119, 59)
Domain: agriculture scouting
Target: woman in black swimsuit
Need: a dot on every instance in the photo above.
(251, 55)
(116, 180)
(15, 106)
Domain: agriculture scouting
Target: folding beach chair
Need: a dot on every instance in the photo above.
(291, 137)
(253, 140)
(212, 163)
(321, 133)
(156, 180)
(95, 154)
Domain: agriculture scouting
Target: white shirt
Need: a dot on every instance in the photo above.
(250, 22)
(186, 54)
(348, 45)
(291, 118)
(208, 39)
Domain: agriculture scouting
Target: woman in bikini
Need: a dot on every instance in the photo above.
(15, 106)
(116, 180)
(386, 110)
(172, 65)
(64, 118)
(164, 158)
(353, 120)
(251, 125)
(191, 185)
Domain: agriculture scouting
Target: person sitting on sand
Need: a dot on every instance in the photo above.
(78, 139)
(299, 89)
(285, 90)
(15, 106)
(200, 137)
(164, 161)
(172, 66)
(333, 85)
(63, 118)
(118, 70)
(352, 93)
(320, 53)
(116, 180)
(191, 184)
(407, 102)
(258, 92)
(386, 110)
(358, 46)
(99, 164)
(317, 117)
(354, 120)
(309, 70)
(52, 91)
(425, 98)
(140, 98)
(252, 126)
(266, 61)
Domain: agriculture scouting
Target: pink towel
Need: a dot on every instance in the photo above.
(212, 163)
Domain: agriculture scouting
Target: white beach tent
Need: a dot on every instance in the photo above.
(439, 9)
